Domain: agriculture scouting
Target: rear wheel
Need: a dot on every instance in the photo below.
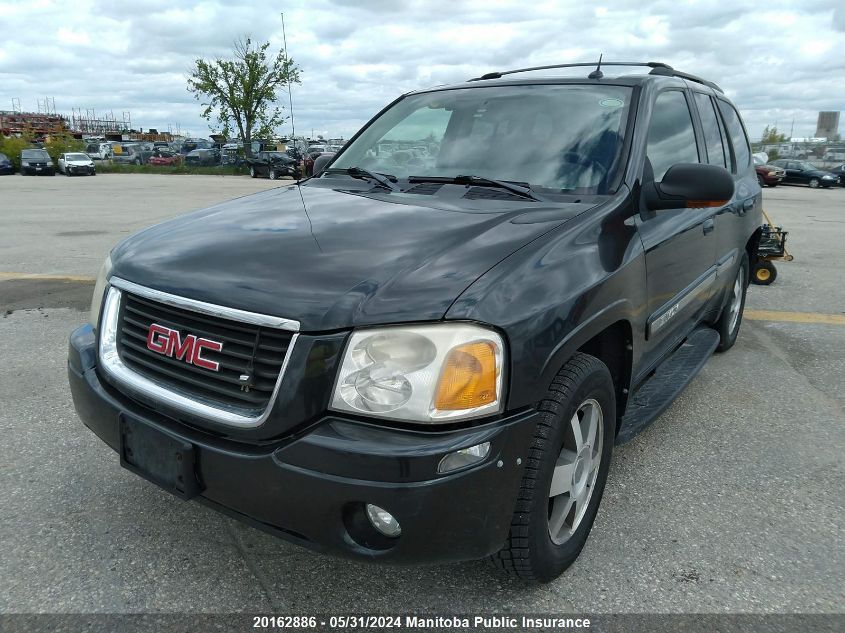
(764, 273)
(728, 324)
(565, 473)
(252, 172)
(273, 174)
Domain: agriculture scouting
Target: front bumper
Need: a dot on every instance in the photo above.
(80, 171)
(310, 488)
(38, 171)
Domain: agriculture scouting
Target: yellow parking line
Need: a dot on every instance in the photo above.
(5, 276)
(795, 317)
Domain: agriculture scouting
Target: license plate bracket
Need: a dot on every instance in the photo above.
(161, 458)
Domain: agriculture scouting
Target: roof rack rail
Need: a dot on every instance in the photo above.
(657, 68)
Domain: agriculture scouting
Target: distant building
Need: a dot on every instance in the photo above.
(828, 125)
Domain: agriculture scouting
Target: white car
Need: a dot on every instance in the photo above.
(76, 164)
(99, 150)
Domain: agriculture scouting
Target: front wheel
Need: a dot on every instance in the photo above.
(814, 183)
(273, 174)
(565, 473)
(252, 173)
(728, 324)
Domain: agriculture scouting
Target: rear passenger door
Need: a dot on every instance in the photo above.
(680, 244)
(736, 222)
(727, 146)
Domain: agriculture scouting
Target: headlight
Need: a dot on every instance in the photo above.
(24, 163)
(428, 373)
(99, 290)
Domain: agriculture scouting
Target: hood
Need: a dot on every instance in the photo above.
(334, 259)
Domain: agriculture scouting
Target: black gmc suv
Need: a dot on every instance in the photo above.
(428, 351)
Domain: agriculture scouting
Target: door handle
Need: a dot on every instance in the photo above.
(709, 225)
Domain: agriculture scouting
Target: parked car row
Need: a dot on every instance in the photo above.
(803, 173)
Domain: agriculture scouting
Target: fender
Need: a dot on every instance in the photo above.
(620, 310)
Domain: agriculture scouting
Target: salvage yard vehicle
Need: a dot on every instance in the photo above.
(800, 172)
(164, 158)
(99, 150)
(76, 164)
(203, 157)
(37, 162)
(273, 165)
(433, 362)
(131, 154)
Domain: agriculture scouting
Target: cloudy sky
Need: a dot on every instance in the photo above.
(778, 60)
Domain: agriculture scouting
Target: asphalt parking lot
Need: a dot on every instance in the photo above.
(731, 502)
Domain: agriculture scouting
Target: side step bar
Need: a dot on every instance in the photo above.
(669, 379)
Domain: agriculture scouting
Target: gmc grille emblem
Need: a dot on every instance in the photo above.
(163, 340)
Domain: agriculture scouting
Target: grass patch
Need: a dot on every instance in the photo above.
(222, 170)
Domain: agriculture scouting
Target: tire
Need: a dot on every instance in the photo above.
(731, 318)
(252, 172)
(764, 273)
(760, 181)
(814, 183)
(137, 161)
(582, 386)
(272, 174)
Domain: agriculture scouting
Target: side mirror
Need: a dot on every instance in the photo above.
(320, 164)
(690, 185)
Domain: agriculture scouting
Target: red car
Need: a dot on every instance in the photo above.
(769, 175)
(308, 161)
(162, 158)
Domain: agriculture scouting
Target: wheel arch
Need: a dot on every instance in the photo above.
(609, 337)
(751, 248)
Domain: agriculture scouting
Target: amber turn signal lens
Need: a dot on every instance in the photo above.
(468, 379)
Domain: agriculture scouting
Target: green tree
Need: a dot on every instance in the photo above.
(771, 135)
(59, 144)
(240, 92)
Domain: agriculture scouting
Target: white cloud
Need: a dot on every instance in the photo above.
(778, 60)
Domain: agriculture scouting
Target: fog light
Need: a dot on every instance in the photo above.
(464, 457)
(383, 521)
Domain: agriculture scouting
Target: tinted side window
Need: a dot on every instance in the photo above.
(712, 136)
(671, 138)
(742, 150)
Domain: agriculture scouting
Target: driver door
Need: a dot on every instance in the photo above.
(680, 244)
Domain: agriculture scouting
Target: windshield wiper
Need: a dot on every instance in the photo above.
(385, 180)
(482, 181)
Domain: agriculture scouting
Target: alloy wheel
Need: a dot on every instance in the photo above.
(576, 470)
(736, 299)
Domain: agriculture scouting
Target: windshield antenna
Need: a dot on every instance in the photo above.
(597, 73)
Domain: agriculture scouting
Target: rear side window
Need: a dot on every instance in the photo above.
(712, 135)
(742, 150)
(671, 138)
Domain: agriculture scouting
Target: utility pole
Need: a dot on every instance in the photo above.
(290, 95)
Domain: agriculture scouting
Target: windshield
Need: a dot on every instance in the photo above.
(560, 137)
(77, 157)
(39, 154)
